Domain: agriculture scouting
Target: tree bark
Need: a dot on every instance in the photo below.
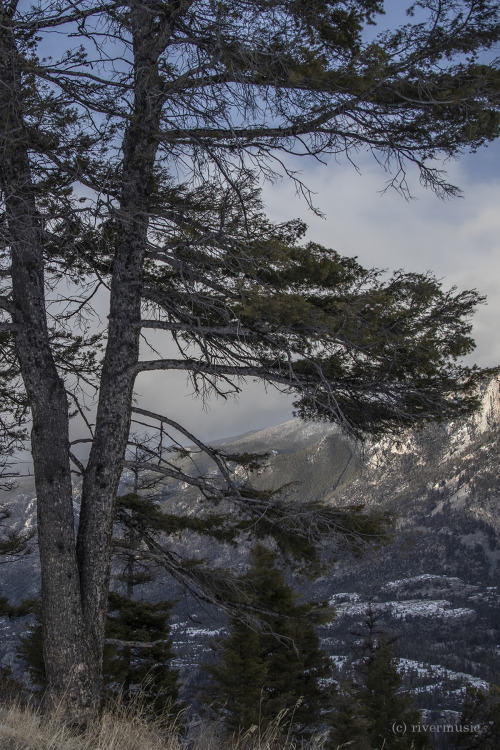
(104, 468)
(75, 572)
(65, 644)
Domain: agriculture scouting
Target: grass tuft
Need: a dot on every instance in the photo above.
(129, 727)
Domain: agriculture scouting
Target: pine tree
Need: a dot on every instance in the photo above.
(350, 726)
(240, 677)
(277, 666)
(135, 168)
(137, 655)
(11, 689)
(481, 716)
(372, 704)
(138, 651)
(30, 650)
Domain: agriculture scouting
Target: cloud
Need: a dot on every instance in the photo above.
(458, 239)
(254, 408)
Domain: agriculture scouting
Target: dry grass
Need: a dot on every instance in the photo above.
(129, 728)
(23, 728)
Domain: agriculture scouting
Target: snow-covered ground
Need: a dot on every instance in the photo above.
(436, 671)
(424, 578)
(436, 608)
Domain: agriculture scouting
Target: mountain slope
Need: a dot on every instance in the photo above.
(437, 580)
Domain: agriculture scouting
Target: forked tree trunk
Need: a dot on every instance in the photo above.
(75, 574)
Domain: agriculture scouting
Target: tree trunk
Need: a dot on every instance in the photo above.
(65, 645)
(104, 468)
(75, 573)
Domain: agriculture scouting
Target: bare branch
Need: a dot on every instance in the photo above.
(213, 369)
(136, 644)
(78, 463)
(214, 455)
(233, 330)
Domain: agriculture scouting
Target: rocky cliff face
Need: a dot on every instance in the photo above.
(437, 582)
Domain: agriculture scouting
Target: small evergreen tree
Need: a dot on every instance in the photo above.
(10, 688)
(30, 650)
(138, 648)
(350, 726)
(137, 655)
(265, 670)
(240, 677)
(138, 651)
(481, 711)
(372, 704)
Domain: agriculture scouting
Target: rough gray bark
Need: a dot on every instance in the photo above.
(75, 573)
(65, 645)
(102, 475)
